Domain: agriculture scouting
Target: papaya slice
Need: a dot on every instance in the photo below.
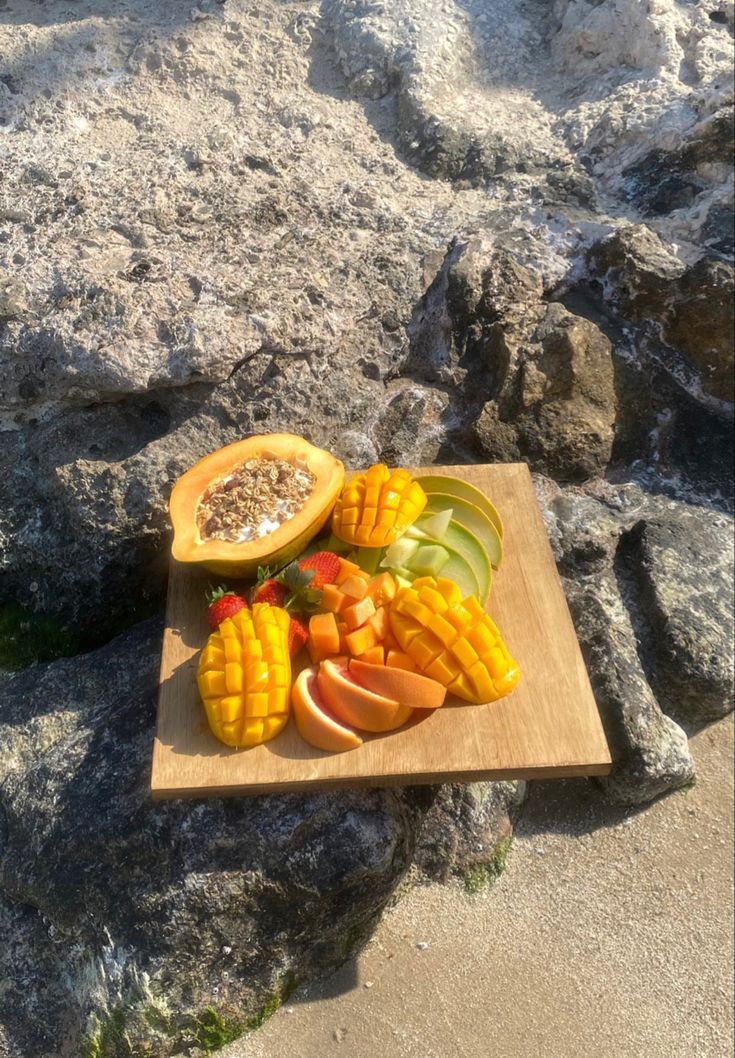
(230, 528)
(353, 704)
(410, 687)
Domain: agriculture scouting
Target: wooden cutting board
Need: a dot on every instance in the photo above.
(548, 727)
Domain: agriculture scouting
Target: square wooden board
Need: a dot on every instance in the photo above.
(548, 727)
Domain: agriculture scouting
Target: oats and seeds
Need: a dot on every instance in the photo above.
(255, 499)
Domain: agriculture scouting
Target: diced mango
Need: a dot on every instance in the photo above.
(442, 629)
(323, 635)
(361, 640)
(377, 506)
(258, 704)
(244, 676)
(433, 599)
(333, 599)
(379, 622)
(424, 648)
(346, 569)
(396, 659)
(233, 677)
(212, 658)
(374, 656)
(452, 640)
(441, 669)
(382, 589)
(357, 614)
(354, 587)
(343, 631)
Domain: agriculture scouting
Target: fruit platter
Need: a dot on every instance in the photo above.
(389, 625)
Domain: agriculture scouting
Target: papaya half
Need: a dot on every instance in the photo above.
(258, 502)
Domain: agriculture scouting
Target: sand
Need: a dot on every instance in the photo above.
(610, 931)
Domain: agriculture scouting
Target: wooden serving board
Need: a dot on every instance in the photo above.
(548, 727)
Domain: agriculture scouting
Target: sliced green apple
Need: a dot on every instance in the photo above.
(444, 485)
(473, 519)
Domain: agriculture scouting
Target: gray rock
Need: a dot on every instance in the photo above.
(142, 914)
(649, 750)
(537, 379)
(653, 628)
(689, 307)
(465, 826)
(558, 411)
(684, 569)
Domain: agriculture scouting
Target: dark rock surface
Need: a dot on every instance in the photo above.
(683, 567)
(130, 906)
(689, 308)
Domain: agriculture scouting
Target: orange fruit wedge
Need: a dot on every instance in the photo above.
(314, 722)
(356, 705)
(404, 686)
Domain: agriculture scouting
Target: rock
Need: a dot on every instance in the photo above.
(144, 915)
(689, 307)
(203, 236)
(668, 180)
(539, 377)
(684, 570)
(161, 889)
(473, 133)
(560, 406)
(649, 750)
(465, 827)
(651, 625)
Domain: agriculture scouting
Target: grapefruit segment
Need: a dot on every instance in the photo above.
(420, 691)
(355, 705)
(314, 722)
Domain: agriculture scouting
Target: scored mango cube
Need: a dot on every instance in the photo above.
(452, 640)
(377, 507)
(244, 676)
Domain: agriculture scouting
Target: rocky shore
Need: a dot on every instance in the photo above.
(410, 230)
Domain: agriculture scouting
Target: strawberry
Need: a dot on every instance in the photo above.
(223, 604)
(270, 590)
(298, 633)
(325, 565)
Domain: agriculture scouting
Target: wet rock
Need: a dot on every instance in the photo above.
(689, 307)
